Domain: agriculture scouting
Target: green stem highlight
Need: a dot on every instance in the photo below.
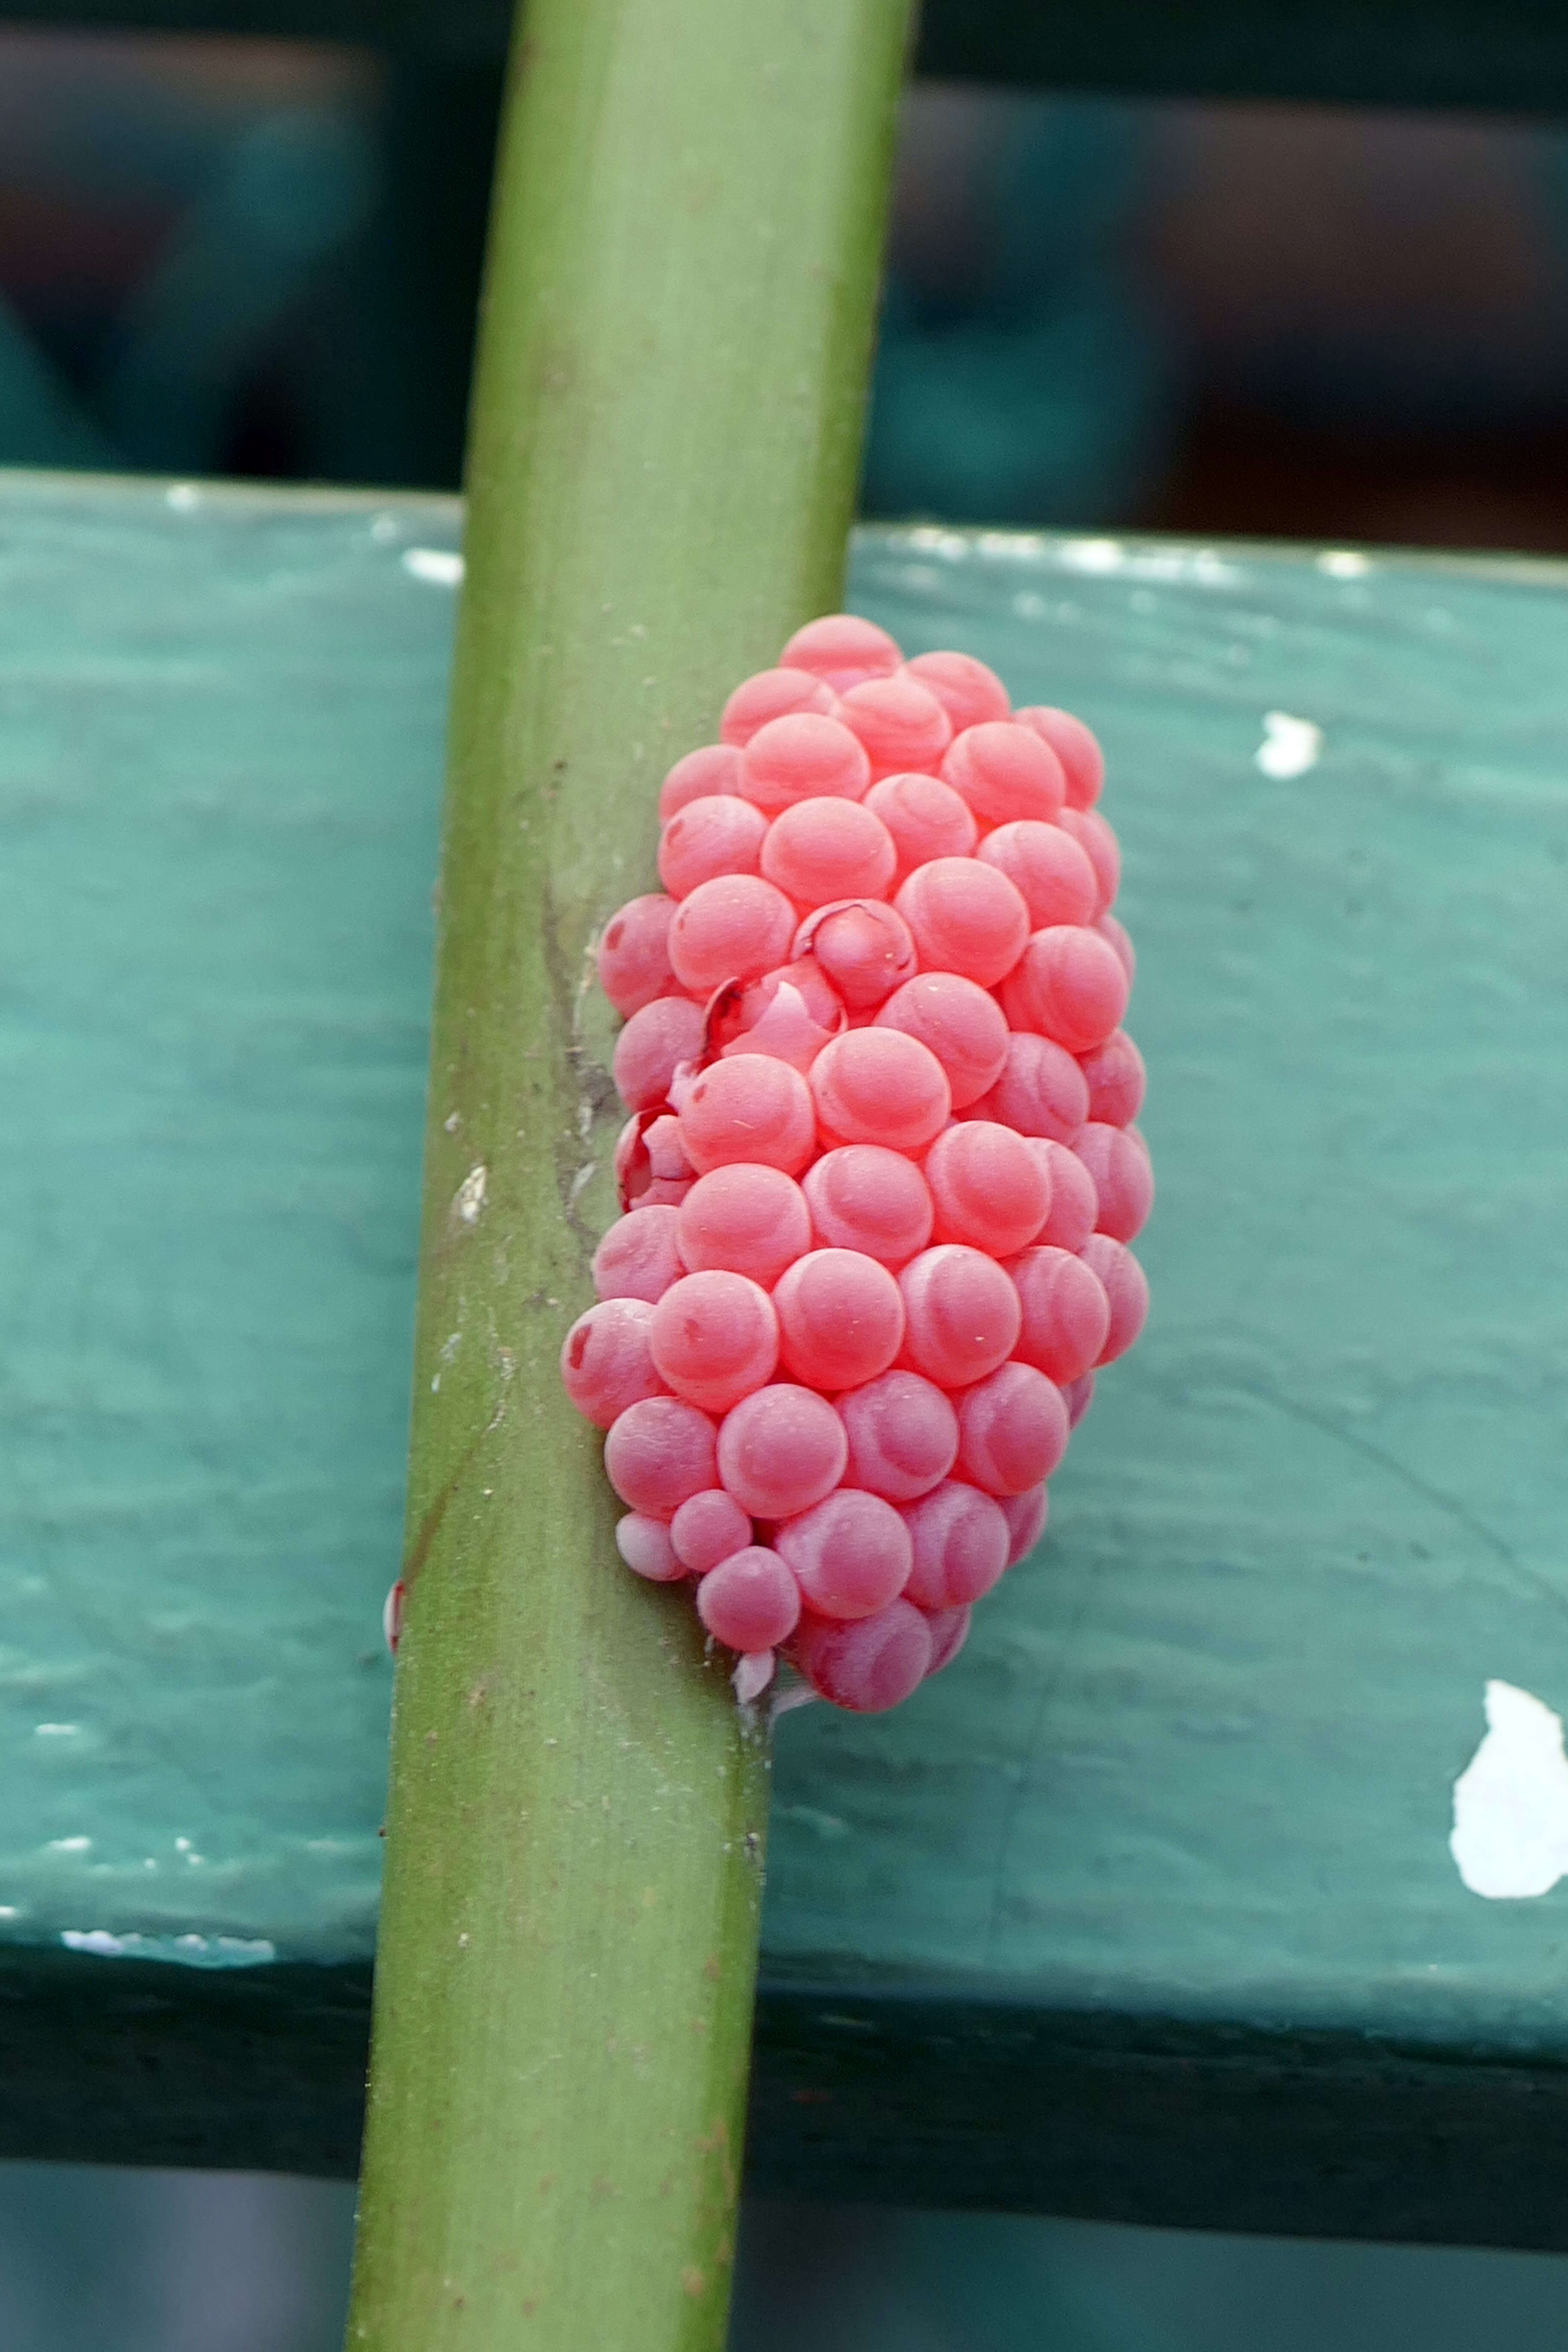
(684, 250)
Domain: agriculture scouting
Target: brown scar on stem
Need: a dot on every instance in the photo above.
(430, 1525)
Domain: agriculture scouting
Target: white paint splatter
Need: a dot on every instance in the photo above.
(439, 567)
(1289, 746)
(1509, 1838)
(56, 1730)
(1344, 563)
(70, 1845)
(184, 497)
(469, 1198)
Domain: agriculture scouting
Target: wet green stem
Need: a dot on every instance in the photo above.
(684, 250)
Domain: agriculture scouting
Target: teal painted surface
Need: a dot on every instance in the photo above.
(1196, 1764)
(219, 757)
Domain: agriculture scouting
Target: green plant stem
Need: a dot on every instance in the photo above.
(684, 249)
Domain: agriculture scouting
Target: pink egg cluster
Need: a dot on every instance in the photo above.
(881, 1172)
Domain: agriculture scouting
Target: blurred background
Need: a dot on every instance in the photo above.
(260, 258)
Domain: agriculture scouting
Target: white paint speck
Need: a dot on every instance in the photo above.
(70, 1845)
(56, 1730)
(184, 497)
(469, 1198)
(1289, 746)
(382, 527)
(9, 1911)
(1344, 563)
(1509, 1838)
(439, 567)
(182, 1845)
(452, 1122)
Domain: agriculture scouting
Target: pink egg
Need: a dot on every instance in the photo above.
(821, 850)
(1005, 771)
(667, 1157)
(1075, 1205)
(1125, 1285)
(772, 694)
(900, 723)
(1041, 1090)
(713, 1338)
(850, 1554)
(840, 1316)
(751, 1601)
(962, 1314)
(1118, 1159)
(949, 1632)
(1012, 1430)
(864, 1197)
(634, 954)
(959, 1023)
(721, 834)
(903, 1436)
(1048, 869)
(926, 818)
(658, 1454)
(735, 927)
(804, 974)
(1066, 985)
(637, 1257)
(651, 1048)
(784, 1029)
(802, 758)
(749, 1106)
(1083, 762)
(1026, 1514)
(1066, 1314)
(640, 1187)
(1079, 1395)
(964, 917)
(843, 649)
(960, 1540)
(715, 769)
(606, 1359)
(864, 949)
(1094, 836)
(988, 1189)
(708, 1527)
(743, 1218)
(781, 1450)
(879, 1085)
(1114, 1075)
(969, 692)
(644, 1546)
(870, 1665)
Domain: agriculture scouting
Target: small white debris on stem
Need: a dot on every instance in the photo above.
(753, 1675)
(469, 1198)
